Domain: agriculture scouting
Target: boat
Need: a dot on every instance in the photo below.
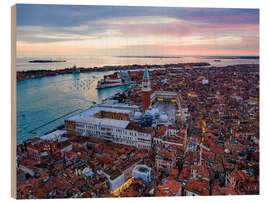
(102, 85)
(114, 80)
(217, 60)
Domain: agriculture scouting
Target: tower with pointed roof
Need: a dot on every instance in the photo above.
(146, 90)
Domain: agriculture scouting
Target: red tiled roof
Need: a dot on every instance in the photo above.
(200, 187)
(135, 126)
(170, 188)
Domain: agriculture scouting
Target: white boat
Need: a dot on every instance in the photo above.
(116, 79)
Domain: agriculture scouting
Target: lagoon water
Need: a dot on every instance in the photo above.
(44, 100)
(99, 61)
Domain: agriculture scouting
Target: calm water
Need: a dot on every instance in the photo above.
(42, 100)
(99, 61)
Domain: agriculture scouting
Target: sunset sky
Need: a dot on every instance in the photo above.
(122, 31)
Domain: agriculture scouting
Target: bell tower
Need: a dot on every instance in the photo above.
(146, 90)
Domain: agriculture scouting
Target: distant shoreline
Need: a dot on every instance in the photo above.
(232, 57)
(151, 56)
(206, 57)
(46, 61)
(31, 74)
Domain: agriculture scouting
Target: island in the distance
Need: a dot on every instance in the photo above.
(46, 61)
(30, 74)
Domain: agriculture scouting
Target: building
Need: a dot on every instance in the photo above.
(109, 122)
(33, 152)
(41, 150)
(128, 167)
(199, 172)
(28, 166)
(165, 160)
(115, 178)
(196, 188)
(172, 130)
(146, 91)
(169, 187)
(143, 172)
(135, 189)
(235, 178)
(55, 136)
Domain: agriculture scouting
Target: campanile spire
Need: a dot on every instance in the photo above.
(146, 90)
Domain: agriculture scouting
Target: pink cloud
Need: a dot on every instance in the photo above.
(175, 29)
(182, 29)
(246, 46)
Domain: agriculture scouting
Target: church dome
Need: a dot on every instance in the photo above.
(154, 112)
(163, 117)
(137, 115)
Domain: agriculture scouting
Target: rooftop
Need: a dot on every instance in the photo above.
(106, 122)
(135, 126)
(93, 110)
(53, 135)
